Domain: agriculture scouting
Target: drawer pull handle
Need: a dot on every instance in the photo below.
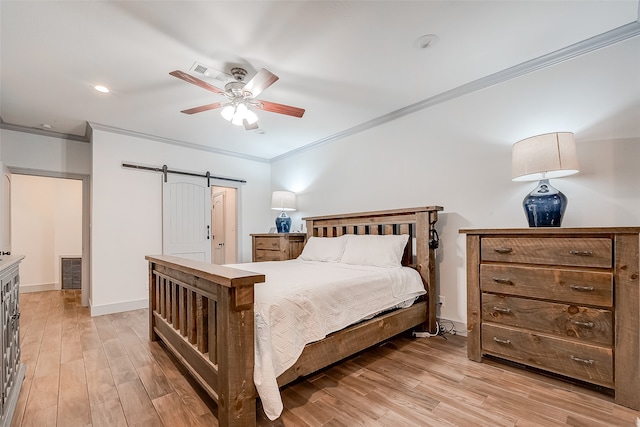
(581, 253)
(581, 323)
(501, 280)
(580, 360)
(581, 288)
(502, 309)
(503, 342)
(503, 250)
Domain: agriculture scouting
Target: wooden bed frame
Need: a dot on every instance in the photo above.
(203, 313)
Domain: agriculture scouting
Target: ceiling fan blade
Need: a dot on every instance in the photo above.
(190, 79)
(250, 126)
(280, 108)
(203, 108)
(260, 82)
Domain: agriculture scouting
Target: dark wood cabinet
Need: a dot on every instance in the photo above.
(277, 247)
(13, 371)
(564, 300)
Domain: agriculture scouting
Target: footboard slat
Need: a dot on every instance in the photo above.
(202, 324)
(191, 317)
(175, 306)
(213, 332)
(203, 313)
(183, 311)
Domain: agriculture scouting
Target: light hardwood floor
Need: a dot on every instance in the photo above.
(103, 371)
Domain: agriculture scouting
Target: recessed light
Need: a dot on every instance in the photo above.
(46, 126)
(426, 41)
(102, 89)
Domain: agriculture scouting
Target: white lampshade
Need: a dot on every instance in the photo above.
(552, 155)
(227, 112)
(251, 117)
(283, 201)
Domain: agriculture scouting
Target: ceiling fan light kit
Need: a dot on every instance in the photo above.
(238, 113)
(241, 97)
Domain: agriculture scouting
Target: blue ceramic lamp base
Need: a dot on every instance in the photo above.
(283, 223)
(545, 205)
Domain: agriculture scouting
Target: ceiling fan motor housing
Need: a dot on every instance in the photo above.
(235, 88)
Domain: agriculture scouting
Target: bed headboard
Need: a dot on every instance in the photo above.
(418, 223)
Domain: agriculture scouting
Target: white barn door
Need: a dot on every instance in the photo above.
(186, 217)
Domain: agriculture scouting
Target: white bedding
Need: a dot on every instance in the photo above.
(304, 301)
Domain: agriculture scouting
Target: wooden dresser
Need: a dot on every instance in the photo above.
(565, 300)
(13, 371)
(277, 246)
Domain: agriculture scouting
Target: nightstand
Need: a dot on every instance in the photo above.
(277, 246)
(564, 300)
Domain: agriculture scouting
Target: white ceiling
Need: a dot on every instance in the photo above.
(348, 63)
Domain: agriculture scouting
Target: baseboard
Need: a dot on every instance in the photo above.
(100, 310)
(25, 289)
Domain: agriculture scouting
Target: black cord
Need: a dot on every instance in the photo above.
(434, 239)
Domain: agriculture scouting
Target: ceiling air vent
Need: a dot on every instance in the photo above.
(199, 68)
(209, 72)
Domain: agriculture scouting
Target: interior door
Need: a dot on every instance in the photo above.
(186, 218)
(219, 227)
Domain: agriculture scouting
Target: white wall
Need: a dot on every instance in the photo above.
(455, 154)
(127, 211)
(126, 204)
(458, 155)
(44, 153)
(46, 226)
(36, 154)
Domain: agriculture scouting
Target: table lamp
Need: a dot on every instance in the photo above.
(551, 155)
(284, 201)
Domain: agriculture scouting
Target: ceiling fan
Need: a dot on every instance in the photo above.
(240, 97)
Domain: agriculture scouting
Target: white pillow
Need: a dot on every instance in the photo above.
(375, 250)
(325, 249)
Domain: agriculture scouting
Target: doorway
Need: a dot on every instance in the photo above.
(46, 227)
(200, 218)
(224, 242)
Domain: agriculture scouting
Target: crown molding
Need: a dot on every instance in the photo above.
(44, 132)
(583, 47)
(107, 128)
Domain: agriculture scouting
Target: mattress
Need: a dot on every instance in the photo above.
(304, 301)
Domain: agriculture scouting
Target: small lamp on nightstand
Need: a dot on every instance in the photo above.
(552, 155)
(283, 201)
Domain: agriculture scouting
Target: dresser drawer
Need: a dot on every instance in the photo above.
(566, 357)
(579, 251)
(587, 324)
(264, 255)
(565, 285)
(267, 243)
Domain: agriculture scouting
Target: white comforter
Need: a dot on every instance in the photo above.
(304, 301)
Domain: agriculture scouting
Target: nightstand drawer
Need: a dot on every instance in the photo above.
(572, 286)
(267, 256)
(587, 324)
(267, 243)
(566, 357)
(578, 252)
(277, 246)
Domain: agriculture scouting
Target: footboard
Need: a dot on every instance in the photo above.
(203, 313)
